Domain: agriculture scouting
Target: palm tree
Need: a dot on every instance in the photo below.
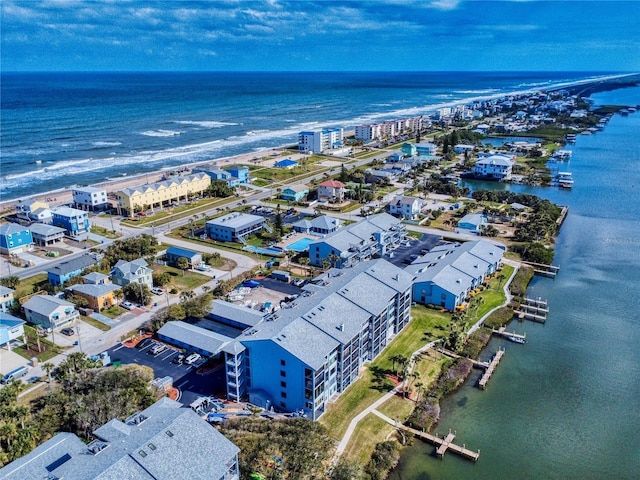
(419, 390)
(48, 368)
(186, 295)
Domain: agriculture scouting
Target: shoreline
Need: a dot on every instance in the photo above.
(595, 82)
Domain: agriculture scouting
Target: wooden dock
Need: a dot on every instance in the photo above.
(449, 353)
(532, 309)
(543, 269)
(503, 332)
(482, 383)
(442, 444)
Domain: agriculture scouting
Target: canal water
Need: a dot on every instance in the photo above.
(567, 404)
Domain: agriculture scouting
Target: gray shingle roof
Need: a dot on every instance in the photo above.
(195, 336)
(45, 230)
(359, 233)
(166, 183)
(12, 228)
(236, 220)
(237, 313)
(130, 269)
(73, 265)
(45, 304)
(94, 290)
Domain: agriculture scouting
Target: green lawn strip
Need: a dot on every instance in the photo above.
(369, 432)
(30, 285)
(104, 232)
(50, 350)
(397, 408)
(182, 280)
(95, 323)
(113, 312)
(261, 182)
(176, 213)
(494, 295)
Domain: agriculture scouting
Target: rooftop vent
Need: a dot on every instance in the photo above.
(341, 327)
(97, 446)
(136, 419)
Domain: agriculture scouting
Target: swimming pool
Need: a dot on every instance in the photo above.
(301, 245)
(265, 251)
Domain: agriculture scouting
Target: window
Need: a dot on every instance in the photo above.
(152, 446)
(169, 433)
(283, 404)
(283, 373)
(283, 394)
(283, 363)
(283, 384)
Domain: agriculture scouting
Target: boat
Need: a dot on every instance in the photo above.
(514, 339)
(564, 179)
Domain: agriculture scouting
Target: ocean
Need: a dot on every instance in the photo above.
(567, 404)
(63, 129)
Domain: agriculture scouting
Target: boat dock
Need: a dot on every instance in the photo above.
(531, 309)
(442, 444)
(503, 332)
(476, 363)
(543, 269)
(489, 371)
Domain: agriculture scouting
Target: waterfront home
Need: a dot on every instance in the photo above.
(287, 164)
(318, 141)
(90, 198)
(234, 226)
(239, 173)
(174, 254)
(294, 193)
(332, 191)
(47, 235)
(163, 441)
(6, 298)
(137, 271)
(64, 271)
(217, 173)
(462, 148)
(11, 328)
(371, 237)
(161, 194)
(50, 312)
(322, 225)
(75, 222)
(494, 167)
(472, 222)
(406, 207)
(26, 209)
(15, 239)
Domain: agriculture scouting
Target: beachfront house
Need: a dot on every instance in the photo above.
(332, 191)
(426, 149)
(137, 271)
(161, 194)
(233, 227)
(47, 235)
(239, 173)
(6, 298)
(11, 328)
(294, 193)
(405, 207)
(15, 239)
(493, 167)
(371, 237)
(174, 254)
(33, 210)
(90, 198)
(472, 222)
(318, 141)
(161, 442)
(65, 271)
(75, 222)
(50, 312)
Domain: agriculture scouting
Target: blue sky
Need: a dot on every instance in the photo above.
(133, 35)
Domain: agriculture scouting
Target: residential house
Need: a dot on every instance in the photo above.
(381, 176)
(234, 226)
(217, 173)
(90, 198)
(332, 191)
(318, 141)
(25, 209)
(494, 167)
(287, 164)
(41, 215)
(15, 239)
(409, 149)
(161, 194)
(96, 278)
(6, 298)
(406, 207)
(426, 149)
(371, 237)
(294, 193)
(11, 328)
(50, 312)
(239, 172)
(47, 235)
(64, 271)
(322, 225)
(137, 271)
(97, 290)
(162, 442)
(174, 254)
(74, 221)
(472, 222)
(462, 148)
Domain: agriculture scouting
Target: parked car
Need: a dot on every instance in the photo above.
(67, 331)
(157, 291)
(157, 349)
(127, 305)
(179, 359)
(193, 358)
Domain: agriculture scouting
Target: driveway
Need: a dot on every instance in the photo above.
(10, 360)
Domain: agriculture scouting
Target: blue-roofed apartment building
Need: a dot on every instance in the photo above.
(50, 312)
(71, 268)
(11, 328)
(162, 442)
(234, 226)
(15, 238)
(174, 254)
(74, 221)
(448, 273)
(371, 237)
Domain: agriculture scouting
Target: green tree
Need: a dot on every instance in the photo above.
(182, 264)
(160, 279)
(11, 281)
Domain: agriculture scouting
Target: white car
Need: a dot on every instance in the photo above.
(127, 305)
(157, 291)
(193, 358)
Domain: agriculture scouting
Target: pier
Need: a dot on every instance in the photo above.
(489, 371)
(543, 269)
(503, 332)
(531, 309)
(476, 363)
(442, 444)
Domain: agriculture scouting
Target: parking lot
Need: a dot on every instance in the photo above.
(191, 384)
(402, 256)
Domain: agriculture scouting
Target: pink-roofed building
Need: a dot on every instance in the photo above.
(332, 190)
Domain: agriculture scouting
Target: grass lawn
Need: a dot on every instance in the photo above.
(283, 174)
(370, 431)
(113, 312)
(95, 323)
(103, 232)
(494, 295)
(181, 280)
(26, 286)
(30, 350)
